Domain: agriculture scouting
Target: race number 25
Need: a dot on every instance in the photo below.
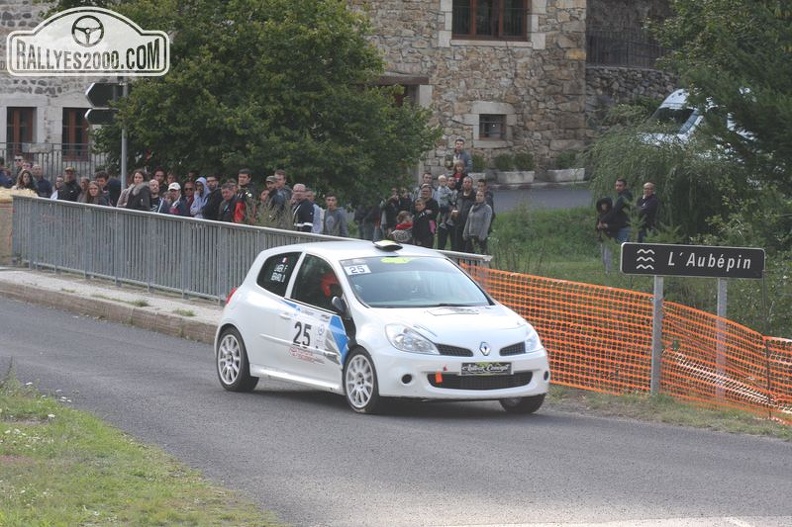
(302, 335)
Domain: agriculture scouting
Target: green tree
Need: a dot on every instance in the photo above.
(736, 58)
(694, 186)
(271, 84)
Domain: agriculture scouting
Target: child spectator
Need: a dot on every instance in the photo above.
(402, 233)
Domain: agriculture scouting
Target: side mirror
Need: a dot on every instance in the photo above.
(340, 306)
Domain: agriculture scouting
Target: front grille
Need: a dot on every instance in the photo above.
(514, 349)
(454, 351)
(480, 382)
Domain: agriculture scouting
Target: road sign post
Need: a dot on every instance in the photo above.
(661, 260)
(101, 95)
(657, 335)
(100, 116)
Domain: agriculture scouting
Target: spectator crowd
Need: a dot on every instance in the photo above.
(448, 214)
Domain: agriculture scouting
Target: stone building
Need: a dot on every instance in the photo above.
(506, 75)
(44, 117)
(620, 56)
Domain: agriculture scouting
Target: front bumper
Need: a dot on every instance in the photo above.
(440, 377)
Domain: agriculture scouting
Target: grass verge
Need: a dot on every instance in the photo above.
(63, 467)
(562, 244)
(664, 409)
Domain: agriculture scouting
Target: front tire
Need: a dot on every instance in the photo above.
(522, 405)
(360, 383)
(233, 368)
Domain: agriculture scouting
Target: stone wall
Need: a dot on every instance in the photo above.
(538, 84)
(606, 87)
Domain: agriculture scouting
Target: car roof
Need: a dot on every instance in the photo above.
(343, 250)
(677, 99)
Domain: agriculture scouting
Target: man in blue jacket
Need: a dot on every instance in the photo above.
(178, 204)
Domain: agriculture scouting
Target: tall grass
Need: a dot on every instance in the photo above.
(537, 241)
(563, 244)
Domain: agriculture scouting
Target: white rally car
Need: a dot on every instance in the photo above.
(374, 321)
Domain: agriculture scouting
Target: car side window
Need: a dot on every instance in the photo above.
(316, 283)
(276, 272)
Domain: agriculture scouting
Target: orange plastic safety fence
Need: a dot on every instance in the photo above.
(600, 338)
(779, 383)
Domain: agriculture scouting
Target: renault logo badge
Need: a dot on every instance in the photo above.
(484, 348)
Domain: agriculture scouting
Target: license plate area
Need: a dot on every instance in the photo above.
(485, 369)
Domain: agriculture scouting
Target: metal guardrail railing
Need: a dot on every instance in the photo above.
(54, 157)
(192, 257)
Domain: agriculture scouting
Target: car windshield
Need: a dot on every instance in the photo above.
(405, 281)
(674, 120)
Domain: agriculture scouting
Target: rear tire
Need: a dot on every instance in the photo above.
(231, 360)
(360, 383)
(522, 405)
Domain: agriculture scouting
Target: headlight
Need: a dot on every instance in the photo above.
(532, 341)
(405, 338)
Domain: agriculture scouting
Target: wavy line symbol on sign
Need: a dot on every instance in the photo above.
(647, 257)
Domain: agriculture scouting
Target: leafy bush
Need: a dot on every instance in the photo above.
(626, 115)
(479, 163)
(693, 185)
(511, 161)
(524, 160)
(567, 159)
(504, 162)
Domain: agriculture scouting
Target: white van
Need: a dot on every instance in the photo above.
(676, 118)
(677, 121)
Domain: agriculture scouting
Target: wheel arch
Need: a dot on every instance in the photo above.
(221, 328)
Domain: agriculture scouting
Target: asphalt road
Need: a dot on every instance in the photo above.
(543, 197)
(307, 457)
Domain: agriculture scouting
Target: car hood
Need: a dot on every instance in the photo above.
(461, 321)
